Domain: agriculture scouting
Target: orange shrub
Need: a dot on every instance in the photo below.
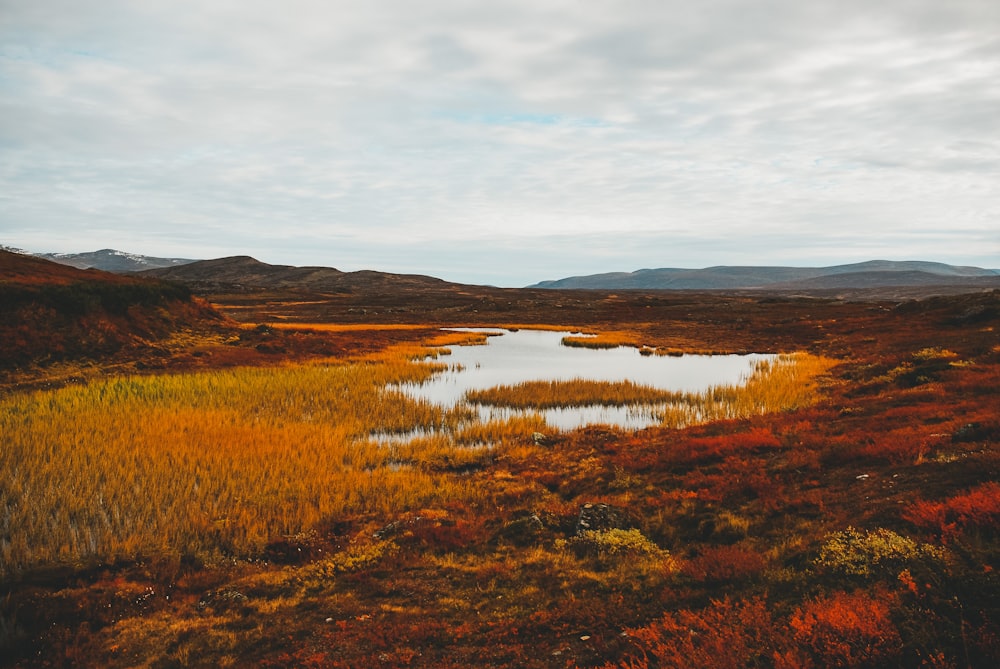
(725, 635)
(905, 446)
(706, 448)
(846, 630)
(980, 507)
(724, 563)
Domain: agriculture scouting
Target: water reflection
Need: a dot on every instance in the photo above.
(513, 357)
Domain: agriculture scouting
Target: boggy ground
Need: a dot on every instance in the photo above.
(861, 531)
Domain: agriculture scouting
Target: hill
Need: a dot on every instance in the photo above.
(887, 279)
(871, 274)
(23, 269)
(51, 311)
(243, 273)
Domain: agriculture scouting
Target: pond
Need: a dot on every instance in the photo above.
(512, 357)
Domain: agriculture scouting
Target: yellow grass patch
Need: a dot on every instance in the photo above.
(335, 327)
(218, 463)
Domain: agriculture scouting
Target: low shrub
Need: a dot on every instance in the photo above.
(879, 552)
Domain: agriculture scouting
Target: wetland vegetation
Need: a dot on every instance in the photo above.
(536, 371)
(214, 496)
(217, 463)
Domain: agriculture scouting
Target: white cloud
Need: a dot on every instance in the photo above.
(453, 135)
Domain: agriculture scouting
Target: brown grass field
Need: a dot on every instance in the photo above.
(213, 495)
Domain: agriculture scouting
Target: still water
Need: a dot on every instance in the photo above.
(513, 357)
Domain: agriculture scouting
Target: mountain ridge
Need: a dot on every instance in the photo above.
(112, 260)
(242, 273)
(872, 273)
(108, 260)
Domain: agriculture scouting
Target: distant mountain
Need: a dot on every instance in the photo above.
(871, 274)
(16, 251)
(240, 273)
(880, 279)
(111, 260)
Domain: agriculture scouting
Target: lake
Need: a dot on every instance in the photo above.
(513, 357)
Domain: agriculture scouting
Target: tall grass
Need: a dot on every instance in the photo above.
(213, 462)
(618, 338)
(219, 463)
(572, 393)
(599, 340)
(785, 382)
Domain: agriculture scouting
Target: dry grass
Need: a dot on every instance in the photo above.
(600, 340)
(335, 327)
(787, 382)
(221, 462)
(207, 463)
(577, 392)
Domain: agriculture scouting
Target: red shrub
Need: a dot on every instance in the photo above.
(845, 630)
(700, 448)
(905, 446)
(724, 563)
(446, 534)
(980, 507)
(737, 478)
(725, 635)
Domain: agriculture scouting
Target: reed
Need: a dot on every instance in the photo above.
(338, 327)
(573, 393)
(787, 382)
(219, 463)
(600, 340)
(208, 463)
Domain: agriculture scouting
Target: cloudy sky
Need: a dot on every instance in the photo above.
(504, 142)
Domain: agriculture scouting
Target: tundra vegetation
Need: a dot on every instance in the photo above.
(839, 509)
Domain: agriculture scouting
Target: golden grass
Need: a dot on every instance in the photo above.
(219, 463)
(573, 393)
(336, 327)
(205, 463)
(616, 338)
(600, 340)
(787, 382)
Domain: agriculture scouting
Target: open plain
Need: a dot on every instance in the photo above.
(188, 479)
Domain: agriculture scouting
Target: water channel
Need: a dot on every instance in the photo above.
(512, 357)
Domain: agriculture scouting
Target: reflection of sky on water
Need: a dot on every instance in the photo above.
(537, 355)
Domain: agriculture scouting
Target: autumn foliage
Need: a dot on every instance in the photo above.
(838, 510)
(977, 509)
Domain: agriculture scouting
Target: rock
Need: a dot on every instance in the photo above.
(969, 432)
(390, 530)
(602, 517)
(523, 531)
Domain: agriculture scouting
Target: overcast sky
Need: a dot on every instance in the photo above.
(504, 142)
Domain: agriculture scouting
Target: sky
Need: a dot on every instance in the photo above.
(504, 143)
